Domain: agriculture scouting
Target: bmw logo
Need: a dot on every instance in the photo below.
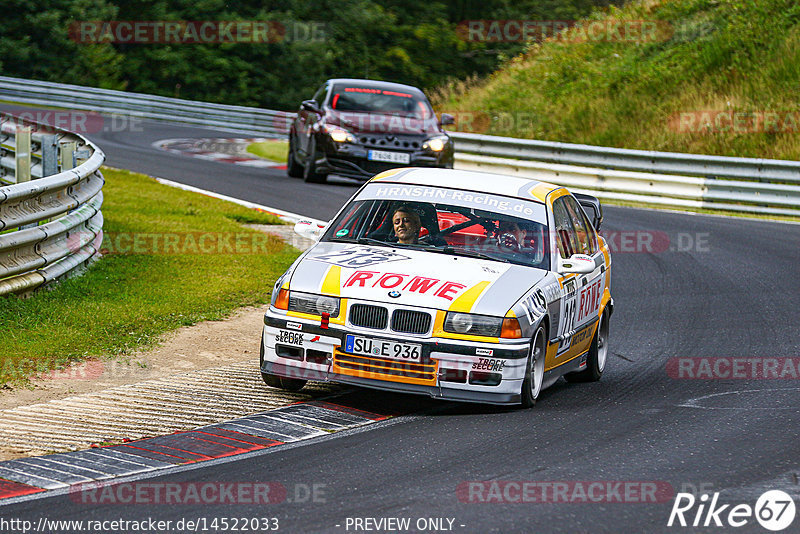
(394, 294)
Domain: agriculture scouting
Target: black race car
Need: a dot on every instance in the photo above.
(358, 128)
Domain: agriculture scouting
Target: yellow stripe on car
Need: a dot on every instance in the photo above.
(386, 174)
(467, 300)
(331, 285)
(541, 190)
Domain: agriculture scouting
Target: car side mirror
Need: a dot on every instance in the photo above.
(309, 230)
(447, 119)
(591, 207)
(576, 264)
(310, 105)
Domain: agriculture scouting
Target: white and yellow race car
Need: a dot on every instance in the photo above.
(460, 285)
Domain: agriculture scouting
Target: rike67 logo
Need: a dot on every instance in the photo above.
(774, 510)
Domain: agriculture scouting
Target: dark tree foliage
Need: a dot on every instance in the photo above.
(410, 41)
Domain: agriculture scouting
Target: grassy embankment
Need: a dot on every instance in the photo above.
(174, 258)
(739, 60)
(274, 150)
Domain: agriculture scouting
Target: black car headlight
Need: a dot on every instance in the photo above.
(313, 304)
(436, 144)
(340, 135)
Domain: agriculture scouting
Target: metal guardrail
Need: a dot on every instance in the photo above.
(51, 227)
(758, 186)
(241, 119)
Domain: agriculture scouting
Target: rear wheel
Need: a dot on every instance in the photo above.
(275, 381)
(596, 358)
(293, 169)
(534, 370)
(310, 174)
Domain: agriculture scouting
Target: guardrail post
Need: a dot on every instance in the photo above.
(49, 155)
(67, 156)
(22, 154)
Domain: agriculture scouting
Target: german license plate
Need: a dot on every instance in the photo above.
(381, 348)
(390, 157)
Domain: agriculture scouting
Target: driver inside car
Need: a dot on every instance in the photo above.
(510, 235)
(407, 224)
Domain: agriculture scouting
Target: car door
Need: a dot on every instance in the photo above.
(582, 293)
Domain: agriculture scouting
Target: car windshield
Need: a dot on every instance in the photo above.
(357, 99)
(449, 221)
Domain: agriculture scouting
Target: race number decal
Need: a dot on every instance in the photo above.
(355, 257)
(567, 322)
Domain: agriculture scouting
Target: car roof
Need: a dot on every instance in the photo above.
(376, 83)
(482, 182)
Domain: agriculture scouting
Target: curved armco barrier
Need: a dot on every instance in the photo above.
(50, 227)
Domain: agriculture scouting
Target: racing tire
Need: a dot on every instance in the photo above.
(597, 356)
(534, 370)
(293, 169)
(310, 173)
(275, 381)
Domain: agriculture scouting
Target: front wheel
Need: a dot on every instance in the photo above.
(596, 358)
(293, 169)
(274, 381)
(534, 370)
(281, 382)
(310, 173)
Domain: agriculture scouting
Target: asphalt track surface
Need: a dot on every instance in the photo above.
(722, 287)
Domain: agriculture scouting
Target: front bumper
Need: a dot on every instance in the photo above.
(449, 369)
(351, 160)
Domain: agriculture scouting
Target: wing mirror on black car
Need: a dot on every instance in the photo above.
(447, 119)
(310, 105)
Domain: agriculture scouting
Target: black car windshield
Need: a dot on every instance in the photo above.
(462, 224)
(352, 98)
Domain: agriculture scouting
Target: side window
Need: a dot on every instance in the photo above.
(320, 95)
(587, 241)
(565, 232)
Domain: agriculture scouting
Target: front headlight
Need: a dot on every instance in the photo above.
(313, 304)
(435, 144)
(481, 325)
(475, 325)
(340, 135)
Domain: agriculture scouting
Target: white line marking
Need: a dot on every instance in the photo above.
(695, 402)
(287, 216)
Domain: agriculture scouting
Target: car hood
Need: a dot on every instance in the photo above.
(380, 123)
(413, 278)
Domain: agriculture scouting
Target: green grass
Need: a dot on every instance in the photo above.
(273, 150)
(127, 300)
(737, 56)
